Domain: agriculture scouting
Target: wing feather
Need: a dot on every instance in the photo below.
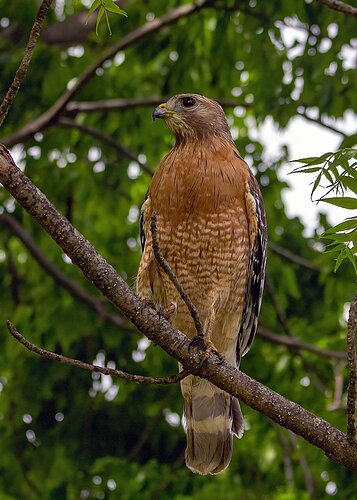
(257, 264)
(142, 223)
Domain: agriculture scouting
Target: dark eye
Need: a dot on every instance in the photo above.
(188, 101)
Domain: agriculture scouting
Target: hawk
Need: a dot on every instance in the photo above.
(212, 231)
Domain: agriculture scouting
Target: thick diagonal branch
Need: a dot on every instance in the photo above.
(259, 397)
(98, 305)
(24, 65)
(140, 379)
(352, 372)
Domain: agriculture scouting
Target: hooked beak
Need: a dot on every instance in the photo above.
(159, 112)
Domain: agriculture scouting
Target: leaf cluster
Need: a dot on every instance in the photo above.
(340, 171)
(105, 6)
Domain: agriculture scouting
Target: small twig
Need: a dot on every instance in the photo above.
(294, 343)
(165, 266)
(151, 425)
(288, 254)
(287, 457)
(98, 134)
(343, 7)
(281, 317)
(14, 274)
(319, 121)
(140, 379)
(309, 480)
(139, 102)
(24, 65)
(352, 372)
(169, 478)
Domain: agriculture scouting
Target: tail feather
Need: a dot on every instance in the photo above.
(237, 418)
(212, 417)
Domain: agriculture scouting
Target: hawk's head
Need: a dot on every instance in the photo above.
(193, 115)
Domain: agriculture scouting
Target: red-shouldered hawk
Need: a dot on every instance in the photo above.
(212, 231)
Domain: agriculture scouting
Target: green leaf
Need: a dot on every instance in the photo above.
(306, 170)
(108, 24)
(344, 163)
(350, 183)
(350, 153)
(334, 247)
(94, 6)
(328, 175)
(334, 170)
(352, 258)
(314, 160)
(316, 183)
(346, 202)
(348, 224)
(100, 15)
(341, 257)
(352, 170)
(351, 140)
(340, 236)
(112, 7)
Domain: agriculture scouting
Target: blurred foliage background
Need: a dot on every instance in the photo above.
(67, 434)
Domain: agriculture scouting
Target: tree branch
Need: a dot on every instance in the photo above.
(113, 104)
(352, 372)
(129, 39)
(259, 397)
(98, 304)
(294, 343)
(238, 7)
(140, 379)
(14, 274)
(309, 480)
(101, 136)
(24, 65)
(31, 128)
(74, 289)
(287, 461)
(73, 30)
(320, 122)
(150, 426)
(288, 254)
(343, 7)
(280, 314)
(140, 102)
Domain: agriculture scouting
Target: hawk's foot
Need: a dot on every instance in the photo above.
(167, 312)
(206, 347)
(199, 342)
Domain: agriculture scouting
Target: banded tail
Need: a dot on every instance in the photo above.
(212, 418)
